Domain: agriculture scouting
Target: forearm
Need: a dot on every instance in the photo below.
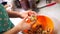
(13, 13)
(14, 30)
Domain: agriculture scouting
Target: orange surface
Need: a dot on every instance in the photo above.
(45, 21)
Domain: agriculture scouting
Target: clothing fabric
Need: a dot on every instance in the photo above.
(5, 23)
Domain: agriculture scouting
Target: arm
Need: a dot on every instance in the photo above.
(19, 27)
(14, 30)
(20, 14)
(13, 13)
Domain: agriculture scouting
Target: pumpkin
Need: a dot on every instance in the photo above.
(43, 21)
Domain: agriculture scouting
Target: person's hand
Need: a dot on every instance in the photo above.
(24, 25)
(27, 13)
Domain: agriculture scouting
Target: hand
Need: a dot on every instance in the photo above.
(23, 25)
(27, 13)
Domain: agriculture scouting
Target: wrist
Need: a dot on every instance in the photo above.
(19, 14)
(14, 30)
(17, 28)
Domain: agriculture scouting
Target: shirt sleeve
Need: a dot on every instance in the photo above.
(5, 23)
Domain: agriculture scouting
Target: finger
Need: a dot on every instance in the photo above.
(32, 13)
(24, 20)
(32, 22)
(29, 10)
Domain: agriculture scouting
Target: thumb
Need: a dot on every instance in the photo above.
(32, 23)
(24, 19)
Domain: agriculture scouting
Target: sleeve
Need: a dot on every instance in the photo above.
(5, 23)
